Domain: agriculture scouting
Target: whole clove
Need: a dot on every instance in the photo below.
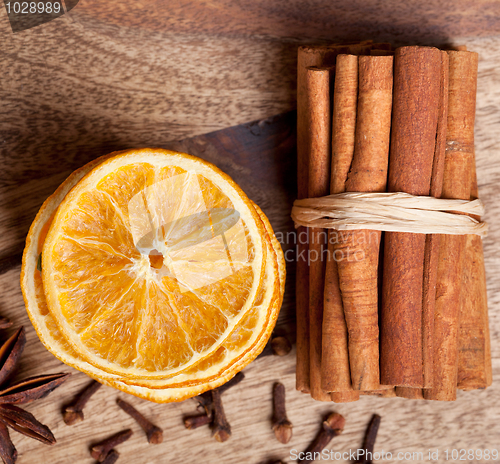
(369, 441)
(112, 457)
(277, 346)
(221, 430)
(211, 403)
(331, 427)
(73, 413)
(281, 425)
(154, 433)
(100, 450)
(281, 346)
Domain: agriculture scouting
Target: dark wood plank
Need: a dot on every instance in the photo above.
(423, 21)
(260, 156)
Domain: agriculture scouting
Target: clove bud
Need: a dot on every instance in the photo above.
(73, 413)
(277, 346)
(100, 450)
(112, 457)
(280, 346)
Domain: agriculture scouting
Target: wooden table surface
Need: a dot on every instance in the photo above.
(113, 75)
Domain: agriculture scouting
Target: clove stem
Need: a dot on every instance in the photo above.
(221, 428)
(193, 422)
(369, 441)
(205, 399)
(154, 433)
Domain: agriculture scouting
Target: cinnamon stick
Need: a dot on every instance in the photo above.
(432, 241)
(345, 99)
(414, 124)
(319, 121)
(474, 348)
(456, 184)
(335, 372)
(302, 311)
(474, 351)
(307, 56)
(323, 55)
(357, 252)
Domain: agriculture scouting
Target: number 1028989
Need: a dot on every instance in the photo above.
(470, 454)
(33, 7)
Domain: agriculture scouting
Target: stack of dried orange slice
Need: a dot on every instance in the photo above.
(152, 272)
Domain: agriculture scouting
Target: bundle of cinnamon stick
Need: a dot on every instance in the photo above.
(393, 313)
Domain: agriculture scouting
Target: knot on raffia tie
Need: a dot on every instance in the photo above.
(390, 212)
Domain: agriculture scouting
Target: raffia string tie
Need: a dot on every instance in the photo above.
(390, 212)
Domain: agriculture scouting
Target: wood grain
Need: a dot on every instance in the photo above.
(137, 74)
(427, 20)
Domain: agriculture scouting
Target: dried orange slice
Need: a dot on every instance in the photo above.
(131, 315)
(73, 235)
(236, 351)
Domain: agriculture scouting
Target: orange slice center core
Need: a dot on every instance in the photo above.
(156, 259)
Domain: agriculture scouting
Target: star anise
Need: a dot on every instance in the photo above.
(23, 392)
